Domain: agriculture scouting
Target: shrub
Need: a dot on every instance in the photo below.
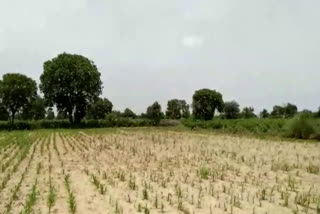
(302, 126)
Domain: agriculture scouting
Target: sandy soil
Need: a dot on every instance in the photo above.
(165, 172)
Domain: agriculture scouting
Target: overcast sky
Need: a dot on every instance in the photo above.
(257, 52)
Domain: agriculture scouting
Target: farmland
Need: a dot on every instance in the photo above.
(149, 170)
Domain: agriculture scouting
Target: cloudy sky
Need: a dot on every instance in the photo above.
(257, 52)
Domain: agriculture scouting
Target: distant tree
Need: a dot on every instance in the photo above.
(129, 113)
(264, 113)
(4, 114)
(50, 114)
(154, 113)
(35, 110)
(231, 110)
(177, 109)
(205, 102)
(16, 91)
(290, 110)
(248, 112)
(286, 111)
(71, 82)
(99, 109)
(277, 111)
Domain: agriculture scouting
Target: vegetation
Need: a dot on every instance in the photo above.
(205, 102)
(153, 170)
(71, 83)
(16, 91)
(154, 113)
(177, 109)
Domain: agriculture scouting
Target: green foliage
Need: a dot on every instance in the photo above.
(248, 112)
(35, 110)
(99, 109)
(302, 126)
(16, 91)
(154, 113)
(70, 82)
(177, 109)
(50, 114)
(4, 114)
(264, 113)
(231, 110)
(129, 113)
(205, 102)
(253, 126)
(286, 111)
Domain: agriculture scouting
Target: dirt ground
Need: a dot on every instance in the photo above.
(158, 171)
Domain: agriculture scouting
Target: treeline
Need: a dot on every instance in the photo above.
(71, 84)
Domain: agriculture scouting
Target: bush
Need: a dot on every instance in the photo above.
(302, 126)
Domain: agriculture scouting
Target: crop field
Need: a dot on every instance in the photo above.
(155, 171)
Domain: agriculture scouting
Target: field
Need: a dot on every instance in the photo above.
(148, 170)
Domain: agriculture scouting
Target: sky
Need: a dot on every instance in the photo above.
(259, 53)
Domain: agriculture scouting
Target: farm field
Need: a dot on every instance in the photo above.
(150, 170)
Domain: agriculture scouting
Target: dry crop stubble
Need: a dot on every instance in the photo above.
(161, 171)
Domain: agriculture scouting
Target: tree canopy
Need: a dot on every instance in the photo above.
(205, 102)
(248, 112)
(35, 110)
(16, 91)
(129, 113)
(71, 82)
(99, 109)
(286, 111)
(264, 113)
(154, 113)
(177, 109)
(231, 110)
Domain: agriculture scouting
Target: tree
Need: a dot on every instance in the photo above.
(205, 102)
(4, 114)
(264, 113)
(99, 109)
(290, 110)
(177, 109)
(231, 110)
(277, 111)
(16, 91)
(35, 110)
(318, 113)
(248, 112)
(50, 114)
(71, 82)
(129, 113)
(286, 111)
(154, 113)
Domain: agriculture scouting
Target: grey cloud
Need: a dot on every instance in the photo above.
(260, 53)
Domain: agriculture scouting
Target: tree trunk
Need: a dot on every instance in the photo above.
(70, 117)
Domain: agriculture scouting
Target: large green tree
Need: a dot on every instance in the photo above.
(205, 102)
(177, 109)
(35, 110)
(231, 110)
(16, 91)
(71, 82)
(99, 109)
(154, 113)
